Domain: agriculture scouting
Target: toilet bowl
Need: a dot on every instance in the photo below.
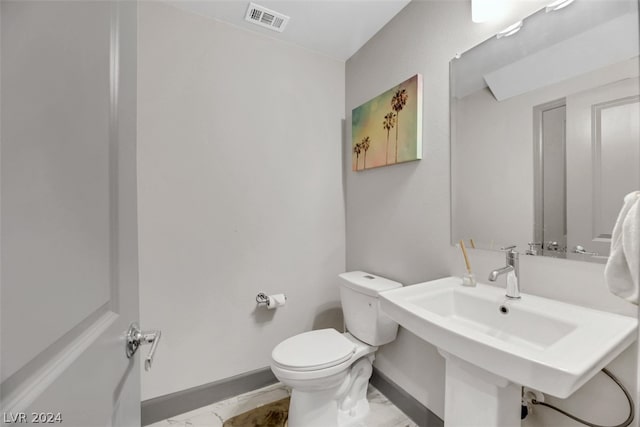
(329, 371)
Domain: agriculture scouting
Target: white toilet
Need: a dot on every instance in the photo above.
(327, 371)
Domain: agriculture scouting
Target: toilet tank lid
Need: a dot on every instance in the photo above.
(367, 283)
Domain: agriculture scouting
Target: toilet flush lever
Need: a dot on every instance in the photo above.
(135, 337)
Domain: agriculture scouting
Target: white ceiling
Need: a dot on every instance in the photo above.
(337, 28)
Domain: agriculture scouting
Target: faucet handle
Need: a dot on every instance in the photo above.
(511, 253)
(533, 250)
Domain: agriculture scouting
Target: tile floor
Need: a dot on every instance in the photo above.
(383, 413)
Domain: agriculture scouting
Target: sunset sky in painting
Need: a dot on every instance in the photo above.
(368, 119)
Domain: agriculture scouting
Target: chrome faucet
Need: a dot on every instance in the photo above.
(512, 271)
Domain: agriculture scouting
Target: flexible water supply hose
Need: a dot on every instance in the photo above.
(573, 417)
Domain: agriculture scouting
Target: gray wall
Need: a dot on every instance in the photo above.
(240, 191)
(398, 217)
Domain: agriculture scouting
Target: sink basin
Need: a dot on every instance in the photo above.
(550, 346)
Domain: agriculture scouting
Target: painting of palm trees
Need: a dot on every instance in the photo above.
(388, 129)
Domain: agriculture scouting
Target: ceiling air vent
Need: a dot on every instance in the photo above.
(266, 18)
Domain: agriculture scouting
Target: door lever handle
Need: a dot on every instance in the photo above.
(136, 337)
(153, 338)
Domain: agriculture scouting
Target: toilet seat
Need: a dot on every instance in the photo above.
(336, 368)
(313, 351)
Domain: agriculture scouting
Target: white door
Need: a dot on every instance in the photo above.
(68, 213)
(603, 162)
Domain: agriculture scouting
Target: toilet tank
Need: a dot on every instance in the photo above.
(359, 295)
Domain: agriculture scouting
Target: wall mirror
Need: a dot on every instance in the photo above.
(545, 133)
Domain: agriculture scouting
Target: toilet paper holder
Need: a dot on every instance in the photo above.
(263, 299)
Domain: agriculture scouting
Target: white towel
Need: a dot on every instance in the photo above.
(622, 272)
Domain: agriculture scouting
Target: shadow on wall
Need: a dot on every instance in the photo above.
(262, 315)
(329, 316)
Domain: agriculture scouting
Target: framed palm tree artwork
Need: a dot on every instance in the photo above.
(388, 129)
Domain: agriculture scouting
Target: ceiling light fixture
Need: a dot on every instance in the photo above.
(510, 30)
(487, 10)
(557, 5)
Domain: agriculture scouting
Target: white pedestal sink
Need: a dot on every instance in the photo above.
(493, 345)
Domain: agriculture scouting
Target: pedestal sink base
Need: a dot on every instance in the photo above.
(475, 397)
